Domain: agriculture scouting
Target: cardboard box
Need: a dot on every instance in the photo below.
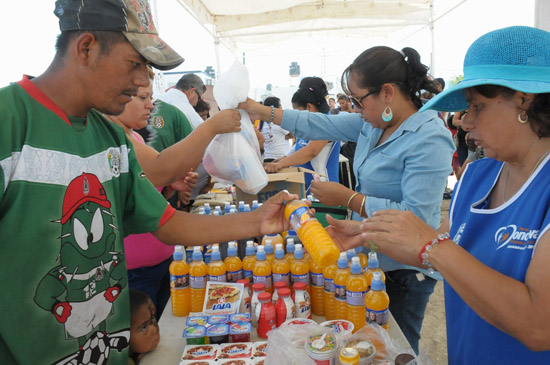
(291, 179)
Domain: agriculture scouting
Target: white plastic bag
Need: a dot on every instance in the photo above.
(235, 157)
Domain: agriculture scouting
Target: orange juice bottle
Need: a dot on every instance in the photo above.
(319, 244)
(249, 260)
(373, 267)
(317, 289)
(299, 269)
(269, 252)
(290, 248)
(340, 281)
(216, 268)
(328, 276)
(262, 270)
(350, 254)
(356, 289)
(280, 268)
(233, 264)
(179, 284)
(292, 234)
(275, 238)
(377, 302)
(197, 280)
(362, 258)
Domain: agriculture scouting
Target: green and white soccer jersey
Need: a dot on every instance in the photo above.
(170, 125)
(70, 191)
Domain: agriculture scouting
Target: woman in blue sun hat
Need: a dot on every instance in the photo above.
(495, 258)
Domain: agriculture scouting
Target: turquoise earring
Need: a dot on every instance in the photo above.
(387, 114)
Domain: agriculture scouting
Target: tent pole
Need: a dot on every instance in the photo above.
(217, 51)
(432, 58)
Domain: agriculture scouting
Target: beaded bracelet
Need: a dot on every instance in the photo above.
(350, 199)
(272, 114)
(424, 253)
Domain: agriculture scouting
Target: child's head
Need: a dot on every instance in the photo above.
(144, 330)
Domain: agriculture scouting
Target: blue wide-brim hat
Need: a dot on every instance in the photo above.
(514, 57)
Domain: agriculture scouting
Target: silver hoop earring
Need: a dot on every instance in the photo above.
(387, 114)
(521, 120)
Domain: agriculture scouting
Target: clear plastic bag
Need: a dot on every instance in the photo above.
(234, 158)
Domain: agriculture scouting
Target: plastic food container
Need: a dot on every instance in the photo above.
(218, 319)
(218, 333)
(366, 350)
(298, 321)
(324, 351)
(239, 317)
(197, 320)
(195, 335)
(240, 332)
(339, 326)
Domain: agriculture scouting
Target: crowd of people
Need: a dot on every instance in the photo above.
(98, 175)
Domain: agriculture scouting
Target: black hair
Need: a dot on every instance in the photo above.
(380, 65)
(106, 39)
(441, 82)
(272, 101)
(538, 113)
(202, 106)
(137, 300)
(312, 90)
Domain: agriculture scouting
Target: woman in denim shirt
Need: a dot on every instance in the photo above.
(402, 159)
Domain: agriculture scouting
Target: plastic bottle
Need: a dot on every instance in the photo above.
(280, 268)
(233, 264)
(226, 207)
(350, 254)
(269, 251)
(249, 260)
(216, 267)
(276, 287)
(179, 284)
(275, 238)
(218, 209)
(241, 206)
(197, 280)
(265, 312)
(207, 254)
(302, 301)
(340, 281)
(372, 267)
(356, 289)
(254, 205)
(362, 258)
(349, 355)
(299, 269)
(328, 276)
(319, 244)
(317, 289)
(246, 208)
(262, 270)
(245, 300)
(284, 308)
(207, 209)
(257, 288)
(377, 302)
(292, 234)
(290, 248)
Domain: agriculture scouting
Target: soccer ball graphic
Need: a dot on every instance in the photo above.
(95, 351)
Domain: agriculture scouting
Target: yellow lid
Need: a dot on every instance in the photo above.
(349, 355)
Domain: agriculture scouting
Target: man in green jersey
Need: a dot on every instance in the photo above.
(71, 189)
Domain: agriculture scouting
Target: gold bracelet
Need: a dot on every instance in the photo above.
(362, 205)
(350, 199)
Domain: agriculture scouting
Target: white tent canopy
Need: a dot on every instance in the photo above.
(294, 25)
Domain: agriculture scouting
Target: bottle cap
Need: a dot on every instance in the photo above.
(215, 255)
(373, 261)
(279, 252)
(178, 253)
(260, 255)
(355, 267)
(197, 254)
(264, 297)
(343, 261)
(300, 285)
(247, 207)
(283, 292)
(201, 210)
(231, 249)
(298, 252)
(254, 204)
(217, 213)
(290, 245)
(250, 250)
(244, 281)
(376, 283)
(258, 287)
(279, 284)
(349, 355)
(268, 246)
(350, 253)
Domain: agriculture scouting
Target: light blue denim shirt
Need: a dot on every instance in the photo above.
(407, 172)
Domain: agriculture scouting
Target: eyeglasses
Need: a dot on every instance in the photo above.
(357, 102)
(199, 95)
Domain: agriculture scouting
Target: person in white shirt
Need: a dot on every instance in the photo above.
(276, 143)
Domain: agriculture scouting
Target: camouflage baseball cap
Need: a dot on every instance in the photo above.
(131, 17)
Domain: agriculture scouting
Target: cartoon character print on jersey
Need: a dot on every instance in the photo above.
(89, 277)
